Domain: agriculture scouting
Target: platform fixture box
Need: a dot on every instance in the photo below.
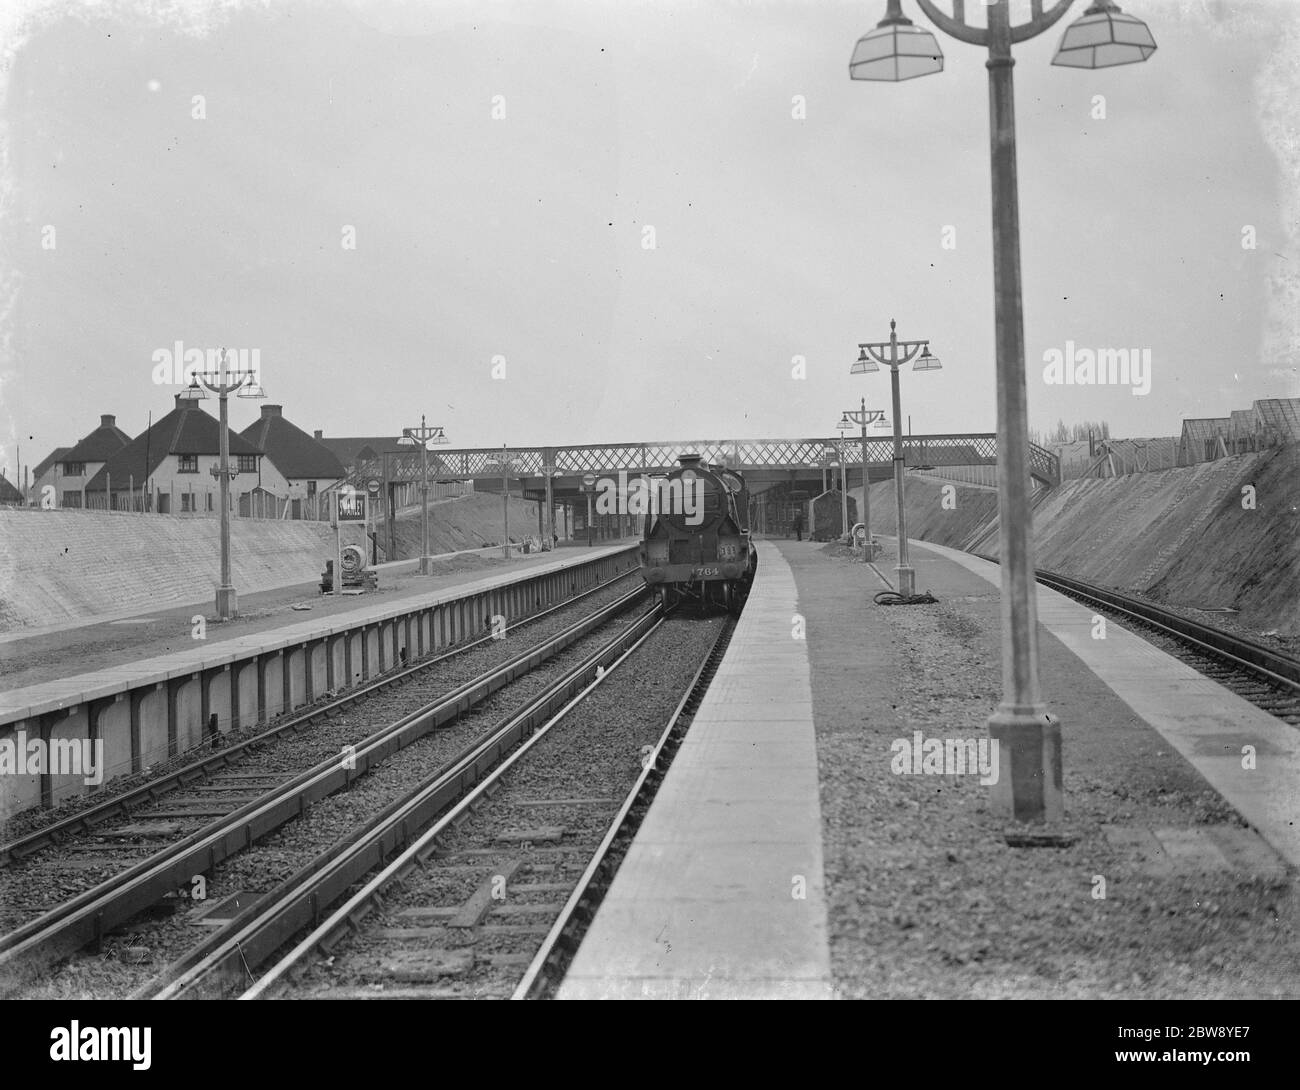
(346, 505)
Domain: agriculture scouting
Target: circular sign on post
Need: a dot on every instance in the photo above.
(589, 481)
(373, 485)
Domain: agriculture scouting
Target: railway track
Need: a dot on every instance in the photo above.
(1269, 680)
(142, 883)
(548, 966)
(462, 904)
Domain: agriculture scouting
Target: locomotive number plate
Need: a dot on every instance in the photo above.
(705, 573)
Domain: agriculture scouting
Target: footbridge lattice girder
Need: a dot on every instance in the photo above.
(919, 451)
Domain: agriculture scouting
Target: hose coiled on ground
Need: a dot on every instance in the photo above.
(893, 598)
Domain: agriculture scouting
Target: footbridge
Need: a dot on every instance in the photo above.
(764, 462)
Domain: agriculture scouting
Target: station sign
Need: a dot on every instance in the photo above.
(348, 506)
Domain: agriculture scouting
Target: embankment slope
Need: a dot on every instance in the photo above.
(58, 566)
(1187, 537)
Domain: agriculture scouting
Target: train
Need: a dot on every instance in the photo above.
(696, 542)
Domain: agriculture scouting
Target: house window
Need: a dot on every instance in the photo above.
(311, 489)
(247, 463)
(209, 501)
(187, 501)
(74, 469)
(72, 499)
(187, 463)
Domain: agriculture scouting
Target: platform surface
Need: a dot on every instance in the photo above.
(1206, 723)
(721, 896)
(227, 643)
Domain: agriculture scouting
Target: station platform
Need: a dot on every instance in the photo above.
(155, 703)
(721, 895)
(1175, 879)
(38, 656)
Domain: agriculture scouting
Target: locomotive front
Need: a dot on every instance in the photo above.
(696, 542)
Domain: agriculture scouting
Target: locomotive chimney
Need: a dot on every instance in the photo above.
(691, 460)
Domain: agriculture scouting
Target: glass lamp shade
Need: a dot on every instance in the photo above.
(895, 51)
(435, 440)
(883, 423)
(251, 389)
(193, 392)
(406, 441)
(1102, 37)
(863, 365)
(845, 423)
(927, 362)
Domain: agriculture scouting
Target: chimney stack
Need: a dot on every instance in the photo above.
(271, 410)
(107, 421)
(318, 434)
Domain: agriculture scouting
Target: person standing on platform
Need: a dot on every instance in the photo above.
(797, 525)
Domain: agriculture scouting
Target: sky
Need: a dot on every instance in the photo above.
(558, 223)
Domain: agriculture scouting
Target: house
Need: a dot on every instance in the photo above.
(79, 464)
(178, 457)
(8, 493)
(45, 475)
(364, 456)
(307, 465)
(356, 452)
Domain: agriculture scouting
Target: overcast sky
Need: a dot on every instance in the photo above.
(524, 236)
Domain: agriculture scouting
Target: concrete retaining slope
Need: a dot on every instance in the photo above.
(72, 565)
(1180, 536)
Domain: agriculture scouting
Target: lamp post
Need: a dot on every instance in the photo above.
(426, 436)
(506, 459)
(222, 383)
(1029, 737)
(864, 416)
(869, 357)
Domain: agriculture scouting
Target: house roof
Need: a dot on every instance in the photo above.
(187, 429)
(8, 493)
(101, 444)
(291, 450)
(353, 450)
(56, 455)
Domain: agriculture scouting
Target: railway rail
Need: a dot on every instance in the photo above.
(427, 869)
(546, 970)
(243, 944)
(85, 919)
(1268, 679)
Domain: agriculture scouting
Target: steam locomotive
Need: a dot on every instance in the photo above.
(696, 543)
